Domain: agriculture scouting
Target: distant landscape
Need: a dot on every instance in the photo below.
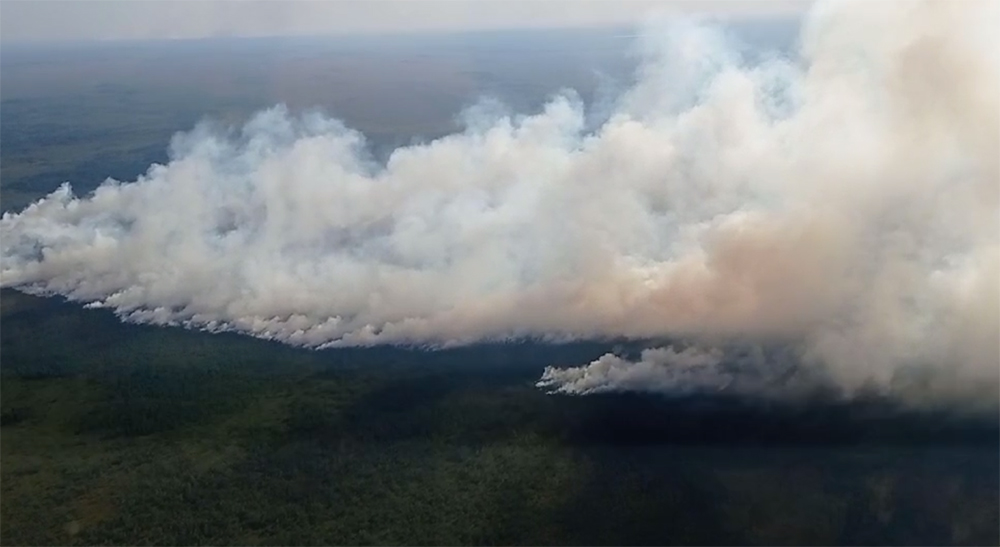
(83, 114)
(118, 433)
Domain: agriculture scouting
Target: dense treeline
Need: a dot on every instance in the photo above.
(123, 434)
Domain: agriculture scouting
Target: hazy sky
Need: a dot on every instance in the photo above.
(49, 20)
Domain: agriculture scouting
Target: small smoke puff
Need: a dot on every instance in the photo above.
(658, 370)
(846, 200)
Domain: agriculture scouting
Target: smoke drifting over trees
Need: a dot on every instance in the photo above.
(845, 200)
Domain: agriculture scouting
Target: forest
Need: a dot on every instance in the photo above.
(115, 433)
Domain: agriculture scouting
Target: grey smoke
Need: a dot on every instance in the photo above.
(845, 199)
(658, 370)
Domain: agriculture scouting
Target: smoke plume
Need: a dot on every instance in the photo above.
(844, 199)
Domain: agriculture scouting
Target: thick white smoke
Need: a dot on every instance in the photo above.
(846, 199)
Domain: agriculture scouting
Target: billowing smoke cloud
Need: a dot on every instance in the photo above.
(845, 199)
